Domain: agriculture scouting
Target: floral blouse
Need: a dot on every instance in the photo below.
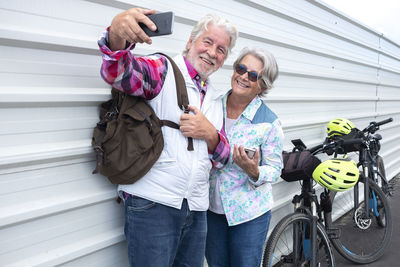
(242, 198)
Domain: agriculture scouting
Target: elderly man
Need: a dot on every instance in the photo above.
(165, 211)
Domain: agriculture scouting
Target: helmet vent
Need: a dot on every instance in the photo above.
(334, 170)
(330, 175)
(325, 181)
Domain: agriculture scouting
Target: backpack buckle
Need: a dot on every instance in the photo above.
(98, 149)
(111, 114)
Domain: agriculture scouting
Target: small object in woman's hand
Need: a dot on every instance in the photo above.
(250, 152)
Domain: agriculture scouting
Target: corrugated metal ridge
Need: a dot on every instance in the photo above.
(20, 213)
(287, 125)
(323, 51)
(305, 21)
(88, 46)
(49, 94)
(35, 95)
(74, 250)
(302, 98)
(395, 163)
(37, 153)
(282, 202)
(339, 13)
(342, 15)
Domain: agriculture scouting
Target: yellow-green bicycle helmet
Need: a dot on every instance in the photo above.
(339, 126)
(337, 174)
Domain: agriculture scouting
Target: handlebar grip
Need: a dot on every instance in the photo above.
(379, 123)
(315, 148)
(353, 141)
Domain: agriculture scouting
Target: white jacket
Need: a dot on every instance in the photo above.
(180, 173)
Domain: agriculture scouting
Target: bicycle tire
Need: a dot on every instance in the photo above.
(278, 251)
(382, 175)
(383, 185)
(352, 242)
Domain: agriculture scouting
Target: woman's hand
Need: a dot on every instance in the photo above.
(249, 166)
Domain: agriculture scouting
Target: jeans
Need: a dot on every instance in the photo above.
(158, 235)
(238, 245)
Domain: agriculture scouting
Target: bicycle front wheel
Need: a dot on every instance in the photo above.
(358, 238)
(289, 243)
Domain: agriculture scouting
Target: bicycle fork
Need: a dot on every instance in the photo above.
(363, 216)
(307, 242)
(314, 233)
(366, 192)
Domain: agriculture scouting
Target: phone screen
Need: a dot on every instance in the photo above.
(250, 152)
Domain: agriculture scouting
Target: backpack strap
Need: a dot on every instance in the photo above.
(183, 99)
(170, 124)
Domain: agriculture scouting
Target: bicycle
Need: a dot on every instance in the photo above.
(299, 239)
(370, 221)
(292, 252)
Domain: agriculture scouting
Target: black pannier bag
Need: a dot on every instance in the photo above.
(298, 165)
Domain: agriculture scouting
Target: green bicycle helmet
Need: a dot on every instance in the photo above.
(337, 174)
(339, 126)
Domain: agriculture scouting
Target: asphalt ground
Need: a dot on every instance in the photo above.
(391, 256)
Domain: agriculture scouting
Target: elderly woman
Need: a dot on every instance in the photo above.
(240, 194)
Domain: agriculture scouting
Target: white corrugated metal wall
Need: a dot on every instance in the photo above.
(53, 211)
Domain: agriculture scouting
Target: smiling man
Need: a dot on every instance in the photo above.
(165, 211)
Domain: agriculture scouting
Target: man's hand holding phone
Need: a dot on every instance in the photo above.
(128, 27)
(163, 21)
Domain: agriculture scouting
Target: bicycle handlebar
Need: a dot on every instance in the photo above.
(374, 126)
(356, 141)
(315, 148)
(384, 122)
(330, 145)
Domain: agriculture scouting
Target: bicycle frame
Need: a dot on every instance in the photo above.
(367, 162)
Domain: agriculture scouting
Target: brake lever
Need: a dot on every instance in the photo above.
(372, 127)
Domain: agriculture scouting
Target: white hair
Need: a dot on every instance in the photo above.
(269, 72)
(217, 21)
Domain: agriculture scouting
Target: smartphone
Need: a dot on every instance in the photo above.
(164, 22)
(250, 152)
(298, 143)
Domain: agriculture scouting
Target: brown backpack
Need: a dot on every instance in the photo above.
(128, 139)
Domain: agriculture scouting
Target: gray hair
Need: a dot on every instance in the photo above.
(270, 71)
(215, 20)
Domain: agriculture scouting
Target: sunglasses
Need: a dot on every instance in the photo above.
(242, 69)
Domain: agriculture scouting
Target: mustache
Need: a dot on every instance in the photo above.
(208, 58)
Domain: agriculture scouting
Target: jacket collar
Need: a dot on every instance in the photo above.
(251, 109)
(211, 92)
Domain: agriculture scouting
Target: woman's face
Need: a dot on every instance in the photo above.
(242, 84)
